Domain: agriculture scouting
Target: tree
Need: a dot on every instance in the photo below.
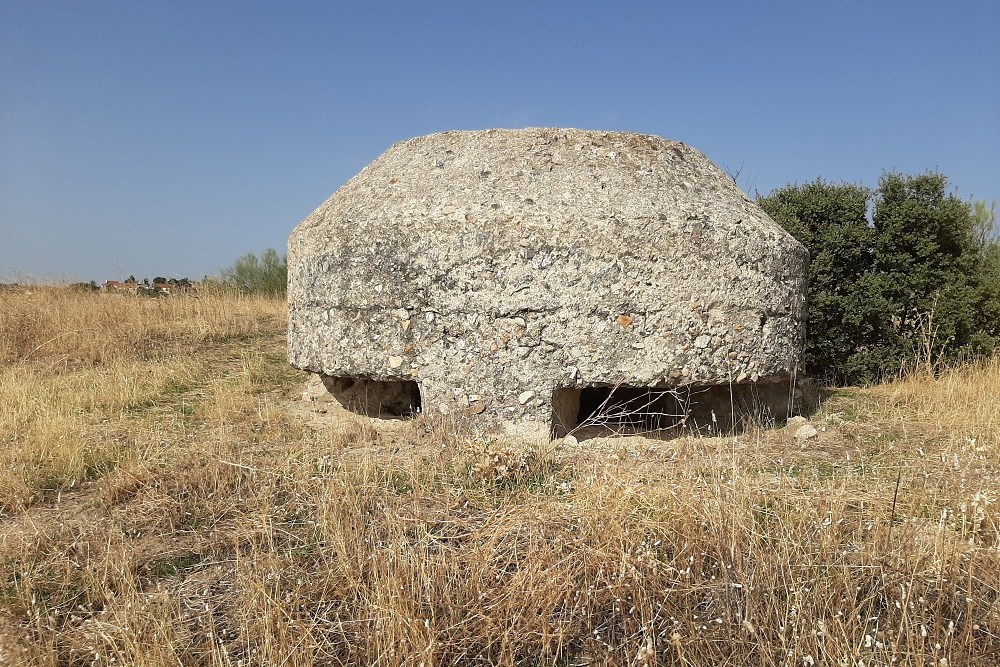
(846, 314)
(920, 282)
(265, 275)
(927, 258)
(988, 289)
(984, 221)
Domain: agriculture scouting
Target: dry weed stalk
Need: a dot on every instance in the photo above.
(641, 414)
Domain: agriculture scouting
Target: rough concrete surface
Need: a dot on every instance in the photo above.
(499, 269)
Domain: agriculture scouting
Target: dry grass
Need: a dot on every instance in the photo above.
(66, 327)
(172, 504)
(84, 374)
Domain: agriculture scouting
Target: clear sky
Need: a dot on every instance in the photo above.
(168, 138)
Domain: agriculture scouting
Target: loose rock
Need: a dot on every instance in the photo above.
(806, 432)
(795, 423)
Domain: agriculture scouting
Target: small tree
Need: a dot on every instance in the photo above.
(265, 275)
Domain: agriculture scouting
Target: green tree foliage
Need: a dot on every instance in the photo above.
(985, 222)
(918, 282)
(267, 274)
(845, 312)
(927, 263)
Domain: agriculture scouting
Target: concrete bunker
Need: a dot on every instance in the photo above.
(514, 274)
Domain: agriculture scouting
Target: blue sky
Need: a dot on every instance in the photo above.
(168, 138)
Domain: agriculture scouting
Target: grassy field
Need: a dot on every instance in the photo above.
(167, 497)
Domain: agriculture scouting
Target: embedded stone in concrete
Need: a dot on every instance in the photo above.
(523, 267)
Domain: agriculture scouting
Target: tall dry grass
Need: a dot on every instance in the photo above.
(243, 531)
(80, 372)
(60, 326)
(958, 404)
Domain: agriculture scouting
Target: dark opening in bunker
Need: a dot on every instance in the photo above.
(709, 409)
(375, 398)
(616, 409)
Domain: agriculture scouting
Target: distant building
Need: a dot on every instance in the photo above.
(116, 286)
(182, 286)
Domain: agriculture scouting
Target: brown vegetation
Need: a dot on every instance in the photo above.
(166, 498)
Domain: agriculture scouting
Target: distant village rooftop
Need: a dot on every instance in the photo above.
(172, 286)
